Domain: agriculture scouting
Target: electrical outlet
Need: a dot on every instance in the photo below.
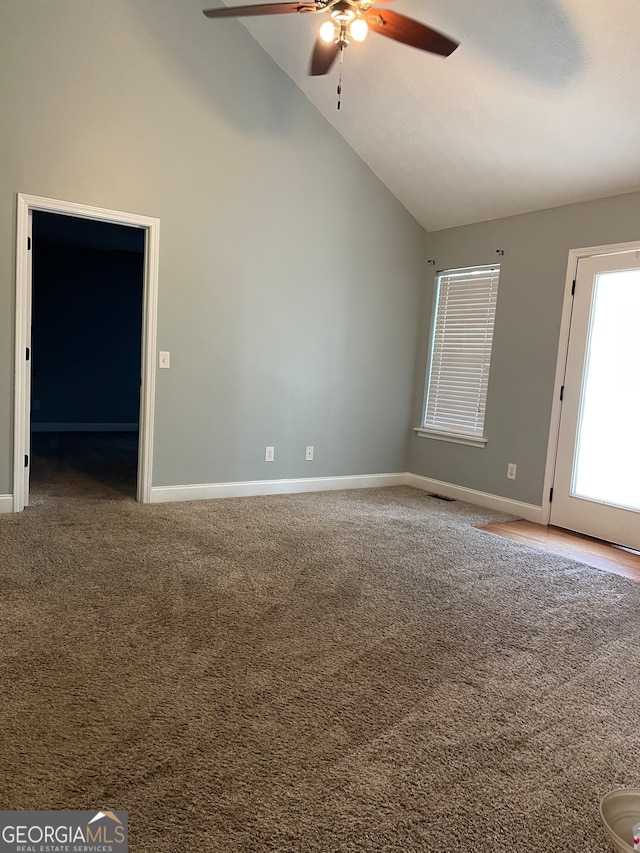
(269, 454)
(308, 453)
(511, 471)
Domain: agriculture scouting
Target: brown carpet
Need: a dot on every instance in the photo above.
(89, 465)
(347, 671)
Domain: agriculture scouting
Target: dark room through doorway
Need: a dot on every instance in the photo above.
(86, 339)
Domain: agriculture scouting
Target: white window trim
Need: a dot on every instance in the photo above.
(453, 437)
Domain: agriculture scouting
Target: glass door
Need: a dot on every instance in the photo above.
(597, 479)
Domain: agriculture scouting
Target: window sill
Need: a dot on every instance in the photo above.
(453, 437)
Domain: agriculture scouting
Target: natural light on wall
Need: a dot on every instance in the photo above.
(607, 466)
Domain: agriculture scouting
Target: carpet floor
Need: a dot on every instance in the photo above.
(89, 465)
(343, 671)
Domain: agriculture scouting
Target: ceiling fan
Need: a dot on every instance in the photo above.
(348, 19)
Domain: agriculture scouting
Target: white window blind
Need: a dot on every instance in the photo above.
(461, 350)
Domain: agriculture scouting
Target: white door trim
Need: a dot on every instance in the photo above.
(22, 334)
(575, 255)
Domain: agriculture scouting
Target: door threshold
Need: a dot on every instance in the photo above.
(566, 543)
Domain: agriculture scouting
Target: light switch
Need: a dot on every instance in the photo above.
(164, 359)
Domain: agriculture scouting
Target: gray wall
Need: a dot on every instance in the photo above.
(290, 277)
(525, 348)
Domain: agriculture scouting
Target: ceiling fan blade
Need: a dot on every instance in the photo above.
(406, 30)
(260, 9)
(323, 57)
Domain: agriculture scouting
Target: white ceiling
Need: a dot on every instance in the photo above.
(538, 106)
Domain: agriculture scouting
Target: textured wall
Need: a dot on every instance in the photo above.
(289, 276)
(525, 348)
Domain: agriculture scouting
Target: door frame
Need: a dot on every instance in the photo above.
(575, 255)
(26, 204)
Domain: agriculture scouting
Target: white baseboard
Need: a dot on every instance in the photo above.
(118, 427)
(208, 491)
(530, 512)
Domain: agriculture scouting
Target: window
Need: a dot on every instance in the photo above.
(458, 375)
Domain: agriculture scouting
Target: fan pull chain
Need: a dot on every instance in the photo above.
(340, 79)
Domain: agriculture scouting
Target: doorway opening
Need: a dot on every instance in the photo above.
(86, 296)
(86, 341)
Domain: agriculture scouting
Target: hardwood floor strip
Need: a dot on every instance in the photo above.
(565, 543)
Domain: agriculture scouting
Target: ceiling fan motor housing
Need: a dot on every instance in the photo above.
(343, 11)
(343, 14)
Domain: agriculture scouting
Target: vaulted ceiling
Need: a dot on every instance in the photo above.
(538, 106)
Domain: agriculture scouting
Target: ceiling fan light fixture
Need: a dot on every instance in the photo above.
(328, 32)
(359, 29)
(349, 20)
